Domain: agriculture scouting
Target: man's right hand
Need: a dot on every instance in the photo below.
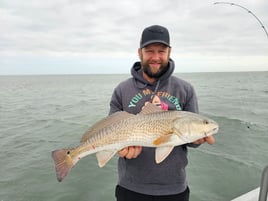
(130, 152)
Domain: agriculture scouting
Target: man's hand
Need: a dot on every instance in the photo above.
(130, 152)
(209, 140)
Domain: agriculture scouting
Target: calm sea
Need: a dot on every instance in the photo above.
(41, 113)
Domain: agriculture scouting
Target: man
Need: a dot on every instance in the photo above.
(140, 178)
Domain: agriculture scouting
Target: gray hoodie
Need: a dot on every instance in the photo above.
(142, 174)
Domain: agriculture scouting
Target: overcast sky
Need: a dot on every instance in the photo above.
(102, 36)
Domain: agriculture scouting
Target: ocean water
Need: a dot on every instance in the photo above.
(41, 113)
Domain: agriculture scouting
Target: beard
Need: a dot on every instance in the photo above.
(147, 69)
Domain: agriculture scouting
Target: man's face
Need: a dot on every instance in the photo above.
(154, 59)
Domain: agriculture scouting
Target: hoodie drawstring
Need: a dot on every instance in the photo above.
(156, 89)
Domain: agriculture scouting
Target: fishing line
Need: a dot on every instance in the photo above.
(243, 102)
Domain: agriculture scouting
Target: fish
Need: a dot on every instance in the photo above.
(152, 127)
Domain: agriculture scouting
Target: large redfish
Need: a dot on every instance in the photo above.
(152, 127)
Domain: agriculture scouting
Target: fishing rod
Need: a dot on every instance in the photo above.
(250, 12)
(264, 180)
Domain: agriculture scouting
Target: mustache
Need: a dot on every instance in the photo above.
(155, 62)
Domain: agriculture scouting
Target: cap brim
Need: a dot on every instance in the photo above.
(154, 41)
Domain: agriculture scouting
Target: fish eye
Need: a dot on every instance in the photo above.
(206, 121)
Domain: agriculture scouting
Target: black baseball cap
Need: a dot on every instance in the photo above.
(154, 34)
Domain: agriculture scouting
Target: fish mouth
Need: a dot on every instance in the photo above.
(212, 131)
(215, 130)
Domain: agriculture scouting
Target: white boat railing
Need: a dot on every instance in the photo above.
(260, 192)
(264, 185)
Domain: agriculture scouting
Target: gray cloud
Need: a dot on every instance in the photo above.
(101, 27)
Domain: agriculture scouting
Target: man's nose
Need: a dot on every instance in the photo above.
(155, 56)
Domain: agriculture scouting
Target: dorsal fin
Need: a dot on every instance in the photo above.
(150, 108)
(109, 120)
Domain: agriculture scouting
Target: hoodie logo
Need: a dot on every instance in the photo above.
(159, 98)
(135, 100)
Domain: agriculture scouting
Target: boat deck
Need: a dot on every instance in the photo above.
(249, 196)
(258, 194)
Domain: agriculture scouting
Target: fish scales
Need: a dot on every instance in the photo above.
(152, 128)
(152, 125)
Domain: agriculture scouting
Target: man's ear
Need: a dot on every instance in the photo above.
(139, 52)
(169, 51)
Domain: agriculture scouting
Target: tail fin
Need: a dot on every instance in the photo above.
(63, 163)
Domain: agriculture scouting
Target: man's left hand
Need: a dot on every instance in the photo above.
(209, 140)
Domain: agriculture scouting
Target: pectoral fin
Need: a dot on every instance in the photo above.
(168, 139)
(162, 152)
(104, 156)
(167, 143)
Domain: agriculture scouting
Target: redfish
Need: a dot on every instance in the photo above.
(152, 127)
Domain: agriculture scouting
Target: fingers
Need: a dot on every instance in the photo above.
(123, 152)
(130, 152)
(200, 141)
(210, 140)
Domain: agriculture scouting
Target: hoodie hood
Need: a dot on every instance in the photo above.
(140, 82)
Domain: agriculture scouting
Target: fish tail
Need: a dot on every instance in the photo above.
(63, 162)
